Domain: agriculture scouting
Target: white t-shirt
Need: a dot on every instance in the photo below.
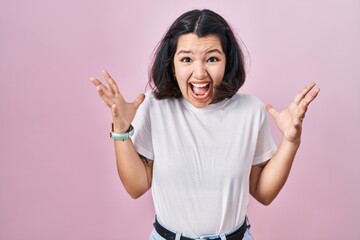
(202, 159)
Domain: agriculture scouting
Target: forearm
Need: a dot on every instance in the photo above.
(274, 175)
(134, 174)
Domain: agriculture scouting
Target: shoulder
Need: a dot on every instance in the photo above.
(150, 97)
(247, 100)
(247, 106)
(147, 104)
(153, 105)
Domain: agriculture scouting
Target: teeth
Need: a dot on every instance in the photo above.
(199, 84)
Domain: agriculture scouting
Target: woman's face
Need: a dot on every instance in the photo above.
(199, 67)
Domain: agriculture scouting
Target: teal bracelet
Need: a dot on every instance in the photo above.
(122, 136)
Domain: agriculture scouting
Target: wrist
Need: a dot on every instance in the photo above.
(291, 143)
(119, 128)
(122, 136)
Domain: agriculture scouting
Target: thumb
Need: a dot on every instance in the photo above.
(139, 100)
(271, 110)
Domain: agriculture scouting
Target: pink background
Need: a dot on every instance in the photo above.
(58, 178)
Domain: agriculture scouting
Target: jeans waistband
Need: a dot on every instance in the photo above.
(169, 235)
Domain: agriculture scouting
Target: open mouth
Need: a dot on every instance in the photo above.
(200, 90)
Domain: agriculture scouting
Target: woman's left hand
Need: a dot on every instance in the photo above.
(290, 120)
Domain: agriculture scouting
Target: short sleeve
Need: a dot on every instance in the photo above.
(265, 146)
(142, 125)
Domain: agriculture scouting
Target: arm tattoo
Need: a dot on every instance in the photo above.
(262, 165)
(147, 162)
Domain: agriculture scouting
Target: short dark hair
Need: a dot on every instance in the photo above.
(202, 23)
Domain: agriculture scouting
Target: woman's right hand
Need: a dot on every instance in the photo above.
(123, 112)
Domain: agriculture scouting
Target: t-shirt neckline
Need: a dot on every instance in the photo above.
(210, 107)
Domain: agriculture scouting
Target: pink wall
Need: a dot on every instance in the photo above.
(58, 178)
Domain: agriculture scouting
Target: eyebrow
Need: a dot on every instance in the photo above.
(215, 50)
(184, 52)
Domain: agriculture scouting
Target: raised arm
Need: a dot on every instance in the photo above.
(134, 170)
(267, 179)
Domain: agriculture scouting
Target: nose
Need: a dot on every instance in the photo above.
(200, 71)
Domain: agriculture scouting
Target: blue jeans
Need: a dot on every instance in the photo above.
(247, 236)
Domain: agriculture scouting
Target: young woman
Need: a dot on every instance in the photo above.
(199, 144)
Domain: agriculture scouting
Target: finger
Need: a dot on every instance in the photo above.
(304, 104)
(301, 95)
(96, 82)
(112, 84)
(310, 97)
(272, 111)
(102, 91)
(108, 100)
(300, 113)
(139, 100)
